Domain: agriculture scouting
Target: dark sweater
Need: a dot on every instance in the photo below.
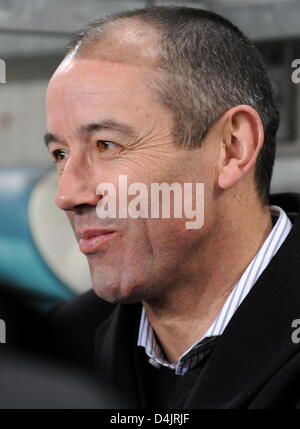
(167, 390)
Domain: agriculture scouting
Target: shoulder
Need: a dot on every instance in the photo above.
(77, 321)
(87, 306)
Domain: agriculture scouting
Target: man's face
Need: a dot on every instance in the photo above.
(104, 121)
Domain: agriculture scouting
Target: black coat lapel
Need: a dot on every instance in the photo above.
(257, 341)
(117, 354)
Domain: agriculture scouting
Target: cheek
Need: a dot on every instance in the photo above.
(173, 245)
(163, 238)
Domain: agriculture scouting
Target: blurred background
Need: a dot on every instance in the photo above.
(37, 249)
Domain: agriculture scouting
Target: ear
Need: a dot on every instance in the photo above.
(242, 139)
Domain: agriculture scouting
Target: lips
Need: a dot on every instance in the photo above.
(91, 241)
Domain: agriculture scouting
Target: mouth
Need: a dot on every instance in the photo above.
(91, 241)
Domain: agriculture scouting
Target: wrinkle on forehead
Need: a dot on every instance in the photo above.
(124, 41)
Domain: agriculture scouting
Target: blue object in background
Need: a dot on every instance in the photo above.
(21, 263)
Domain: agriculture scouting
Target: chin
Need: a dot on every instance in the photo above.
(119, 294)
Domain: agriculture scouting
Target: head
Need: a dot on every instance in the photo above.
(173, 95)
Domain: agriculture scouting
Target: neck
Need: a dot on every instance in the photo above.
(184, 314)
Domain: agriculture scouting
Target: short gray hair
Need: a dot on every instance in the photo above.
(206, 66)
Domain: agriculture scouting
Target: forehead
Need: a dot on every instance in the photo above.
(89, 76)
(88, 83)
(88, 90)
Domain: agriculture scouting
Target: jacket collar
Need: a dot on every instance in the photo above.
(257, 341)
(117, 355)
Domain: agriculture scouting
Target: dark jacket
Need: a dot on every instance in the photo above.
(254, 364)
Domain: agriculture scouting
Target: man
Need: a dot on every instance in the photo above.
(178, 95)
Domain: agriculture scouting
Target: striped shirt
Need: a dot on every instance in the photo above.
(191, 357)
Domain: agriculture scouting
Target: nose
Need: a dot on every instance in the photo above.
(76, 187)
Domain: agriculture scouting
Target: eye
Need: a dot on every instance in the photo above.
(58, 155)
(105, 145)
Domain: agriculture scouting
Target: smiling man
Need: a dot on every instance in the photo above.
(179, 95)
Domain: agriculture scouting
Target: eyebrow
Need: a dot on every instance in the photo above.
(85, 130)
(50, 138)
(109, 124)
